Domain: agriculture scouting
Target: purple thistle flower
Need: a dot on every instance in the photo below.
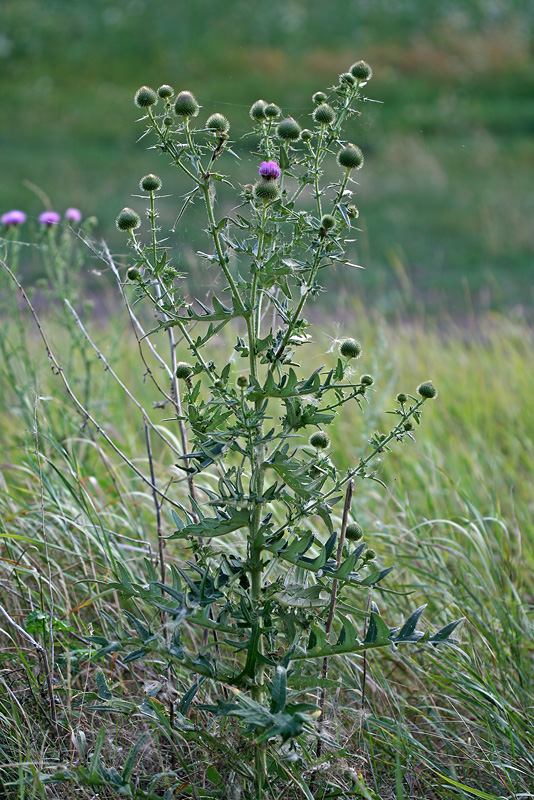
(73, 215)
(11, 218)
(269, 170)
(49, 218)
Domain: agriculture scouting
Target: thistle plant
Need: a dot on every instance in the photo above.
(275, 581)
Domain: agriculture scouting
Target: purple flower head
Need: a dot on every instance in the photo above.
(73, 215)
(11, 218)
(269, 170)
(49, 218)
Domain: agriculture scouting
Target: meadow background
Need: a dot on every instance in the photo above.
(446, 205)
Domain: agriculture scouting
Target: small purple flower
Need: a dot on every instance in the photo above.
(49, 218)
(73, 215)
(269, 170)
(11, 218)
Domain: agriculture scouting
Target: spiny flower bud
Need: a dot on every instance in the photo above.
(354, 532)
(184, 370)
(306, 135)
(347, 78)
(350, 348)
(242, 381)
(319, 440)
(353, 212)
(427, 390)
(324, 114)
(165, 91)
(167, 121)
(361, 71)
(319, 97)
(218, 123)
(145, 96)
(186, 105)
(267, 191)
(132, 274)
(370, 555)
(401, 397)
(289, 130)
(367, 380)
(272, 111)
(350, 157)
(328, 222)
(408, 426)
(257, 110)
(128, 220)
(150, 183)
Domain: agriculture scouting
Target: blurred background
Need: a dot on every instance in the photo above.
(446, 196)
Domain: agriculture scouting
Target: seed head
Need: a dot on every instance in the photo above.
(427, 390)
(150, 183)
(354, 532)
(49, 218)
(324, 114)
(367, 380)
(272, 111)
(319, 97)
(269, 170)
(165, 91)
(186, 105)
(257, 110)
(132, 274)
(218, 123)
(319, 440)
(289, 130)
(328, 222)
(184, 370)
(350, 348)
(361, 71)
(145, 96)
(128, 220)
(12, 218)
(350, 157)
(267, 191)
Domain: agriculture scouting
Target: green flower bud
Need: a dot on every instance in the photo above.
(350, 348)
(367, 380)
(319, 97)
(218, 123)
(132, 274)
(347, 78)
(186, 105)
(353, 212)
(350, 157)
(272, 111)
(242, 381)
(370, 555)
(145, 96)
(324, 114)
(267, 191)
(289, 130)
(427, 390)
(328, 222)
(306, 135)
(361, 71)
(354, 532)
(128, 220)
(184, 370)
(150, 183)
(165, 91)
(257, 110)
(401, 398)
(319, 440)
(408, 426)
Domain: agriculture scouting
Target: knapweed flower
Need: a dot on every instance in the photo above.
(12, 218)
(49, 218)
(73, 215)
(269, 170)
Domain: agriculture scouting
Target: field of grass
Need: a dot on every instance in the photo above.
(446, 201)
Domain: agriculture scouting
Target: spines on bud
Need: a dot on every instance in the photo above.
(319, 440)
(427, 390)
(128, 220)
(186, 105)
(350, 157)
(288, 130)
(145, 96)
(350, 348)
(361, 71)
(150, 183)
(218, 123)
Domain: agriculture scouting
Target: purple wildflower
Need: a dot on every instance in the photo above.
(49, 218)
(73, 215)
(11, 218)
(269, 170)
